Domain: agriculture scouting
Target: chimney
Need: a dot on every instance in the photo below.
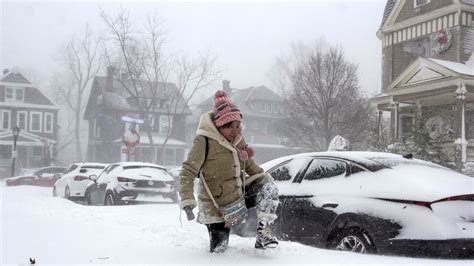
(5, 71)
(109, 86)
(226, 87)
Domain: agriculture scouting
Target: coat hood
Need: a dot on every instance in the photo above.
(207, 128)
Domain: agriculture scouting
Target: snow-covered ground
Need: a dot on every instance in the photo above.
(58, 231)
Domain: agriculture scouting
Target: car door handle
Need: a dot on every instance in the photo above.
(330, 205)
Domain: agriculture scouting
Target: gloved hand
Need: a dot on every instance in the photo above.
(189, 212)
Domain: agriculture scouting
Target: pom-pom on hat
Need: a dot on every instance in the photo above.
(224, 109)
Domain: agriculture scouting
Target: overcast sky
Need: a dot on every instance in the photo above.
(247, 36)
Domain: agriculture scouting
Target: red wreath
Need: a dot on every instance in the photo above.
(442, 38)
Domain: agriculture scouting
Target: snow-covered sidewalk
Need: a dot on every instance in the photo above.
(58, 231)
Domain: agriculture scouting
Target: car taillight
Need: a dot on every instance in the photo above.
(414, 202)
(124, 179)
(80, 178)
(467, 197)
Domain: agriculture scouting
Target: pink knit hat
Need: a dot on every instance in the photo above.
(224, 110)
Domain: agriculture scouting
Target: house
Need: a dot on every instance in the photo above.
(262, 111)
(25, 105)
(109, 101)
(428, 73)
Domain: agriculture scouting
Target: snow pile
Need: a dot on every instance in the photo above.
(339, 143)
(58, 231)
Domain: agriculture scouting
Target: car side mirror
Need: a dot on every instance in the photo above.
(58, 175)
(93, 177)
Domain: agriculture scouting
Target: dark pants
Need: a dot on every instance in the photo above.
(218, 237)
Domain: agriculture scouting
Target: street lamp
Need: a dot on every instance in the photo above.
(16, 132)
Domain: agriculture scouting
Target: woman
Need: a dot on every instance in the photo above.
(219, 154)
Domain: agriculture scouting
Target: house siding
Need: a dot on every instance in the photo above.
(409, 11)
(397, 57)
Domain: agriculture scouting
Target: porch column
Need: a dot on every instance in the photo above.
(460, 127)
(378, 124)
(418, 113)
(395, 122)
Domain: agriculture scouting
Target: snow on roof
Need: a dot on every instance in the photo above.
(461, 68)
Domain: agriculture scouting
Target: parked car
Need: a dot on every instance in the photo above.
(125, 181)
(73, 183)
(44, 177)
(369, 202)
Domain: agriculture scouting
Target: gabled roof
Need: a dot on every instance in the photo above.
(243, 99)
(429, 69)
(14, 76)
(388, 9)
(120, 98)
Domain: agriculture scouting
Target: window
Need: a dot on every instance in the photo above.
(19, 95)
(169, 157)
(419, 3)
(35, 121)
(325, 168)
(21, 119)
(95, 129)
(166, 123)
(9, 93)
(6, 119)
(288, 170)
(14, 94)
(6, 151)
(179, 156)
(406, 124)
(48, 122)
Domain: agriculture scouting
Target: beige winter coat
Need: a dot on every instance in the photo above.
(221, 171)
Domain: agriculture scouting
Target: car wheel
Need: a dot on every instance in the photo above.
(55, 193)
(87, 199)
(353, 239)
(109, 199)
(67, 193)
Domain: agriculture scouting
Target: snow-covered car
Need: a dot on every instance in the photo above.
(371, 202)
(127, 181)
(44, 177)
(73, 183)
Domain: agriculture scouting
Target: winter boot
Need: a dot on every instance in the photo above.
(264, 237)
(218, 237)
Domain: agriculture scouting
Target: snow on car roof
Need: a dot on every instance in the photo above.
(125, 164)
(364, 157)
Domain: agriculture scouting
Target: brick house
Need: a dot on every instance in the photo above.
(428, 72)
(25, 105)
(262, 110)
(109, 101)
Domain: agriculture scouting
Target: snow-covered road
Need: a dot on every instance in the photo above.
(58, 231)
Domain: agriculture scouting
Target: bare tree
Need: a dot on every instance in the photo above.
(80, 60)
(322, 96)
(141, 67)
(191, 75)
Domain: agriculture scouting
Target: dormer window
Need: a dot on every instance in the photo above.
(419, 3)
(14, 94)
